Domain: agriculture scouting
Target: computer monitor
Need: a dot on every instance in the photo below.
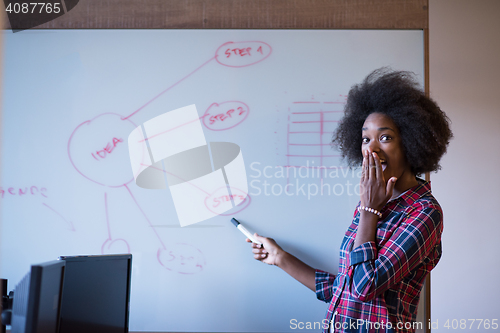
(96, 294)
(72, 295)
(37, 299)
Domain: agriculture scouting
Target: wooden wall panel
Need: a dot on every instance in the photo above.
(244, 14)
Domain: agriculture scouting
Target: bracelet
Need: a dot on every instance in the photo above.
(371, 210)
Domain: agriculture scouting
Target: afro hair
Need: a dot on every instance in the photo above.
(424, 128)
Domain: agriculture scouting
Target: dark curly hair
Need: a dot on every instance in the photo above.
(424, 128)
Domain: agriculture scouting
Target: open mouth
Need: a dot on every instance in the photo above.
(384, 164)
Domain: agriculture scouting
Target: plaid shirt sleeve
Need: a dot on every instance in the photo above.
(373, 270)
(324, 285)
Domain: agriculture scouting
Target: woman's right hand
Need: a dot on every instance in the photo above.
(272, 254)
(269, 252)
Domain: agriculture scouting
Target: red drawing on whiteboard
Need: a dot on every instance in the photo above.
(182, 258)
(97, 150)
(169, 130)
(164, 91)
(231, 54)
(309, 131)
(70, 224)
(33, 191)
(242, 54)
(104, 166)
(218, 201)
(22, 191)
(107, 150)
(110, 245)
(225, 115)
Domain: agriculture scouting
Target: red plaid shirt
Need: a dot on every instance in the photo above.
(378, 285)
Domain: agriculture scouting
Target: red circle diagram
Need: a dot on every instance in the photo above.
(217, 198)
(242, 54)
(115, 246)
(225, 115)
(98, 149)
(182, 258)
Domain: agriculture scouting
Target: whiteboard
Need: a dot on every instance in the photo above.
(64, 197)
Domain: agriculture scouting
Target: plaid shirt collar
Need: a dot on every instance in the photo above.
(413, 194)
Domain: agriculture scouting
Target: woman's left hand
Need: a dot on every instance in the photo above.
(374, 191)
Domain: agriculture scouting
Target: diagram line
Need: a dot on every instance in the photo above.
(299, 132)
(316, 121)
(164, 91)
(164, 171)
(171, 129)
(72, 227)
(145, 216)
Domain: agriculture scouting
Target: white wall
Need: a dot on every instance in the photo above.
(465, 81)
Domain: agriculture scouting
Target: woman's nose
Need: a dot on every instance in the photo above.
(374, 146)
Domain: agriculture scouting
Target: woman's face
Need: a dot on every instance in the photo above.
(380, 135)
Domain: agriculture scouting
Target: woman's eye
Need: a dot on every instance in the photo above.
(365, 140)
(385, 138)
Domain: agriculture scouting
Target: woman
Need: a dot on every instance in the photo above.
(394, 240)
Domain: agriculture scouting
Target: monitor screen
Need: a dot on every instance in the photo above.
(37, 299)
(96, 294)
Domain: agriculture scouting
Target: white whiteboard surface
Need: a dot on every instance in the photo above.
(98, 85)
